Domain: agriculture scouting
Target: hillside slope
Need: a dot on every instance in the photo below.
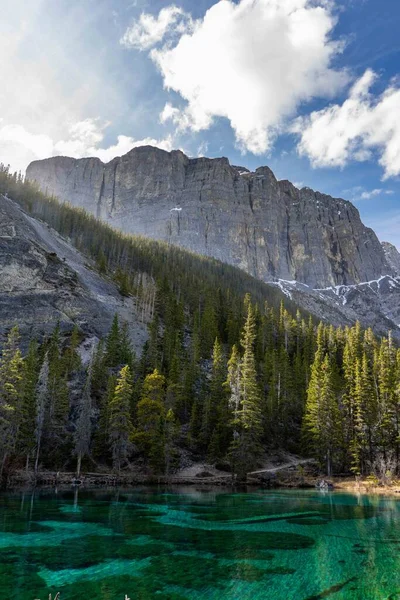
(45, 280)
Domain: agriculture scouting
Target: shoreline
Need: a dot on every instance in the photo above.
(90, 481)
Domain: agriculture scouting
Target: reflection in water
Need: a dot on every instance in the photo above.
(194, 545)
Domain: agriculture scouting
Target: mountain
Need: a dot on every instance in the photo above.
(312, 247)
(45, 280)
(230, 369)
(392, 256)
(266, 227)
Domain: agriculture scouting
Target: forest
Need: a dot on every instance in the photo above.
(229, 372)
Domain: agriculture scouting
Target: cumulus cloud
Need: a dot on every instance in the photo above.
(367, 195)
(360, 193)
(253, 62)
(18, 146)
(148, 31)
(355, 130)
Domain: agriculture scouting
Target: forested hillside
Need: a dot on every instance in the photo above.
(229, 372)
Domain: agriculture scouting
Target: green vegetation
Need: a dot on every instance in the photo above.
(228, 372)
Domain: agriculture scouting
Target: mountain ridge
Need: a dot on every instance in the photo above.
(269, 228)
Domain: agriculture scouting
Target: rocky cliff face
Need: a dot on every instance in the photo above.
(267, 227)
(392, 256)
(45, 281)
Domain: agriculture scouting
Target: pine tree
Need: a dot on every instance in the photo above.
(365, 417)
(113, 356)
(72, 360)
(170, 432)
(42, 404)
(322, 423)
(148, 433)
(120, 425)
(101, 434)
(56, 433)
(99, 370)
(126, 355)
(215, 412)
(26, 438)
(11, 366)
(246, 447)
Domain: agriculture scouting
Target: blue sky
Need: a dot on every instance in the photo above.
(308, 87)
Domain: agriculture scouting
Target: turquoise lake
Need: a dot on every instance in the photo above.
(197, 545)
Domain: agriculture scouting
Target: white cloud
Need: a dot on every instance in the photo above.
(253, 62)
(126, 143)
(202, 150)
(354, 130)
(367, 195)
(359, 193)
(18, 146)
(148, 31)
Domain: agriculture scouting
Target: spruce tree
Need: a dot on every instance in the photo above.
(42, 405)
(151, 411)
(120, 425)
(72, 360)
(26, 437)
(322, 423)
(113, 355)
(246, 446)
(215, 412)
(11, 367)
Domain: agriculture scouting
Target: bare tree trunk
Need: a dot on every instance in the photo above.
(3, 462)
(78, 466)
(37, 458)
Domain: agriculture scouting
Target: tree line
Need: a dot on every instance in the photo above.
(229, 371)
(333, 394)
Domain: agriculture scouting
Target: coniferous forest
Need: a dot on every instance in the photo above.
(229, 371)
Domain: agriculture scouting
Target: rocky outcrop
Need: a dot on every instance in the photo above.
(375, 303)
(45, 281)
(267, 227)
(392, 256)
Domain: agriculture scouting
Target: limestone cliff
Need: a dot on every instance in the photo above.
(267, 227)
(44, 281)
(392, 256)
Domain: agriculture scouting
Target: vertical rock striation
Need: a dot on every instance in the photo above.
(267, 227)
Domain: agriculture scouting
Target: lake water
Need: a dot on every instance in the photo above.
(199, 545)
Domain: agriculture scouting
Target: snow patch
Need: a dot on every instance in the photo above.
(176, 208)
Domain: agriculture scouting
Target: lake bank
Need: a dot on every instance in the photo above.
(198, 475)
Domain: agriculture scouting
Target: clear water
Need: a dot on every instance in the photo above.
(195, 545)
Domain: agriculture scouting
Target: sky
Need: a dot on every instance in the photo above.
(310, 88)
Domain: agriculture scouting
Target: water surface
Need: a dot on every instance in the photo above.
(198, 545)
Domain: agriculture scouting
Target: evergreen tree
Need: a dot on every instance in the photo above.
(151, 412)
(26, 438)
(101, 435)
(246, 447)
(120, 425)
(72, 360)
(170, 432)
(11, 366)
(42, 404)
(113, 354)
(215, 412)
(322, 422)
